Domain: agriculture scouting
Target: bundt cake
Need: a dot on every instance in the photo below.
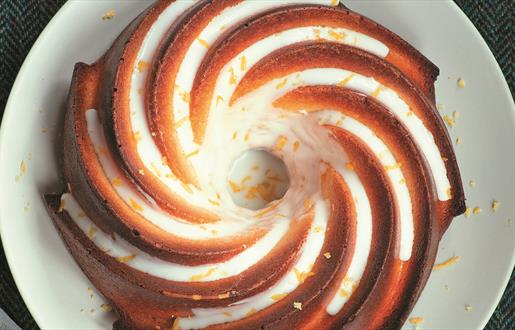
(153, 128)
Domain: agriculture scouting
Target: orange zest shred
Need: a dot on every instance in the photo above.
(343, 293)
(243, 63)
(106, 307)
(392, 167)
(187, 187)
(302, 276)
(346, 80)
(377, 91)
(204, 43)
(193, 153)
(416, 320)
(449, 120)
(446, 263)
(279, 296)
(155, 168)
(219, 99)
(234, 186)
(143, 65)
(135, 205)
(232, 78)
(212, 202)
(181, 121)
(251, 312)
(137, 136)
(199, 277)
(116, 182)
(267, 210)
(92, 231)
(109, 15)
(339, 36)
(126, 259)
(282, 83)
(296, 145)
(281, 142)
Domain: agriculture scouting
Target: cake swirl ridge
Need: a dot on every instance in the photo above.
(153, 128)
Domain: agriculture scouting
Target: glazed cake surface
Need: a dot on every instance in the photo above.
(153, 128)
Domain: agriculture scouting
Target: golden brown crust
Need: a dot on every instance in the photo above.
(388, 288)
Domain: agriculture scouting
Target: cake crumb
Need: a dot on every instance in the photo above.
(458, 140)
(468, 307)
(297, 305)
(416, 320)
(440, 106)
(446, 263)
(335, 3)
(468, 211)
(327, 255)
(476, 210)
(461, 83)
(495, 205)
(472, 183)
(109, 15)
(92, 311)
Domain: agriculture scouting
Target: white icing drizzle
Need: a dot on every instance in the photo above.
(147, 209)
(310, 251)
(119, 248)
(257, 124)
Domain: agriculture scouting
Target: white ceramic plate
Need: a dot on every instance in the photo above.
(56, 291)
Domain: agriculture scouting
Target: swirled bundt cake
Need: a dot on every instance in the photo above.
(153, 128)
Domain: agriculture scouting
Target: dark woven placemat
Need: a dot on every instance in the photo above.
(21, 21)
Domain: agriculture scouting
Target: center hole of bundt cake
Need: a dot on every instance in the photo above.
(257, 178)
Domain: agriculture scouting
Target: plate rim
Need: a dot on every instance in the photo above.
(9, 112)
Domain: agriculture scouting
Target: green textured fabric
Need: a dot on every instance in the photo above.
(21, 21)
